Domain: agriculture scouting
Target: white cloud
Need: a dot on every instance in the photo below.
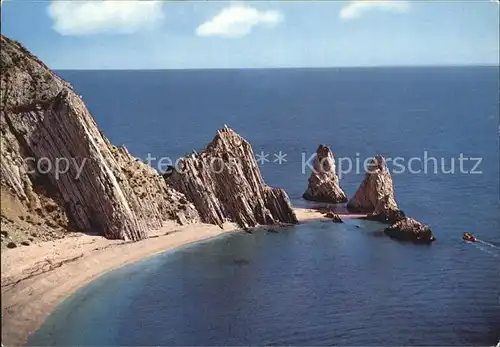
(96, 16)
(354, 9)
(238, 21)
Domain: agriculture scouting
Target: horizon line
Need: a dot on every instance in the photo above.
(282, 67)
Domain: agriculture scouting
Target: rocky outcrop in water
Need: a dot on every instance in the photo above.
(409, 229)
(388, 215)
(375, 195)
(225, 184)
(45, 125)
(324, 182)
(334, 217)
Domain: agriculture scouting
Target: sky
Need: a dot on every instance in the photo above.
(106, 34)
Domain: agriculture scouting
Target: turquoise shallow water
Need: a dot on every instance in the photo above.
(317, 284)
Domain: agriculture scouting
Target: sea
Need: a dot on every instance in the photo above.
(316, 283)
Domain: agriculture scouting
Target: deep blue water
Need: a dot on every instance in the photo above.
(314, 284)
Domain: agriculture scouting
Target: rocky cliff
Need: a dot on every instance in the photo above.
(58, 171)
(324, 182)
(225, 184)
(376, 192)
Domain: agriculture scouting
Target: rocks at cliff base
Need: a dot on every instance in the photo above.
(225, 184)
(409, 229)
(324, 182)
(104, 189)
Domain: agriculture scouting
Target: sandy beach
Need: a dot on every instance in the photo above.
(307, 214)
(37, 278)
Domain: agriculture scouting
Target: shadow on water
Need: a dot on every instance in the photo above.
(240, 262)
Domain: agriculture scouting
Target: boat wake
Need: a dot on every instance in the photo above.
(480, 244)
(488, 244)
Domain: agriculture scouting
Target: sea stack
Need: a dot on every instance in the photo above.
(97, 187)
(324, 182)
(375, 196)
(225, 184)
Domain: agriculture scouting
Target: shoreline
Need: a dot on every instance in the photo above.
(317, 214)
(39, 277)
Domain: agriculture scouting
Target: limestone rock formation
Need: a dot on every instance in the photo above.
(225, 184)
(409, 229)
(44, 123)
(324, 182)
(375, 195)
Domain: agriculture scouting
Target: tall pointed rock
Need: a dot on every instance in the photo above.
(375, 196)
(376, 192)
(225, 184)
(324, 182)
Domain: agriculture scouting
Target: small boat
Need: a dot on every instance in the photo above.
(469, 237)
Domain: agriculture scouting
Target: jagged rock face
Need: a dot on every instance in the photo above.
(225, 183)
(105, 189)
(409, 229)
(324, 182)
(376, 193)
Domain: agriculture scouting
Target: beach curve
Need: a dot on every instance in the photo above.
(37, 278)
